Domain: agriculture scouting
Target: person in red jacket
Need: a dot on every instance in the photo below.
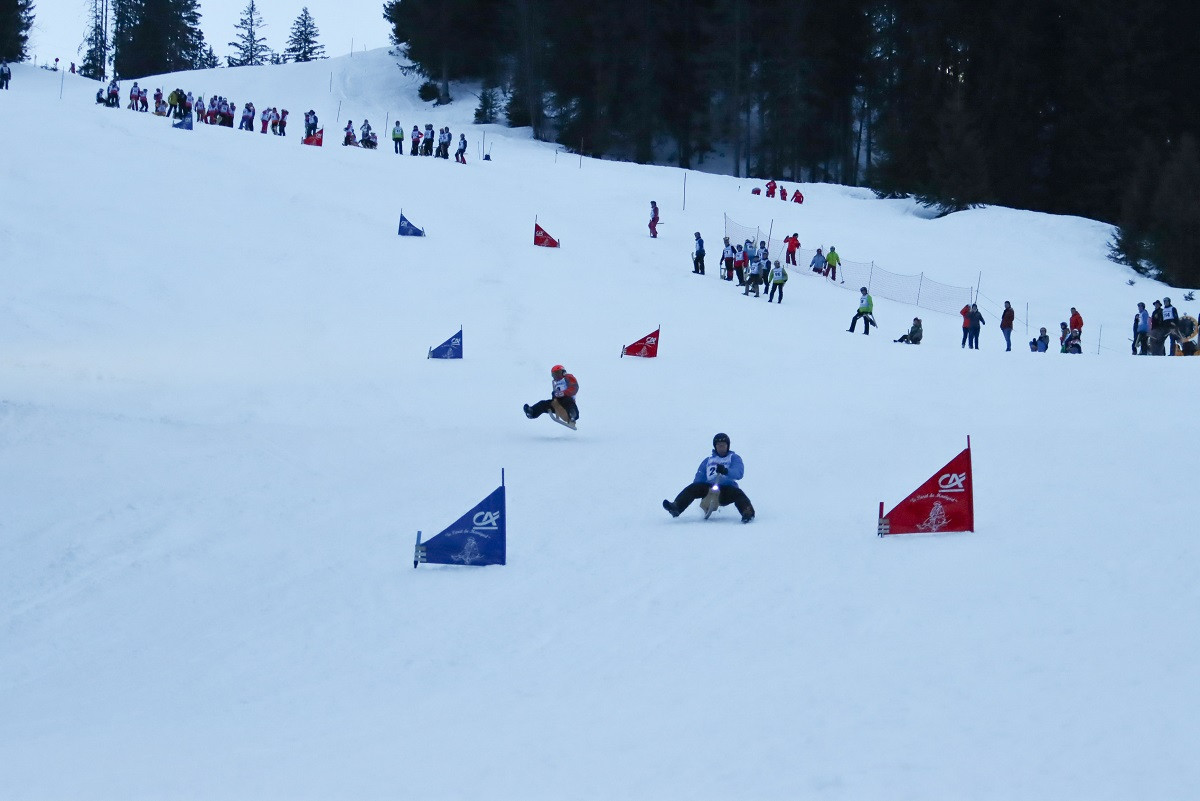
(771, 188)
(1075, 321)
(562, 404)
(793, 244)
(797, 197)
(653, 220)
(1006, 325)
(966, 315)
(783, 194)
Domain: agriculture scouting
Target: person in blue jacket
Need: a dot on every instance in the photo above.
(722, 469)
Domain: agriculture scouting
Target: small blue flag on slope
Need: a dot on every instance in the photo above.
(452, 348)
(408, 229)
(477, 538)
(185, 124)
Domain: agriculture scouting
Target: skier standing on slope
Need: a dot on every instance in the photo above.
(721, 471)
(653, 220)
(562, 404)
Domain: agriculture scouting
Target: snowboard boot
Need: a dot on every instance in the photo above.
(748, 515)
(528, 413)
(670, 507)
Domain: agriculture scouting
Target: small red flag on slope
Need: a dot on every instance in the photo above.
(946, 502)
(647, 346)
(543, 239)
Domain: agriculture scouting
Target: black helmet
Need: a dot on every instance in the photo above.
(720, 438)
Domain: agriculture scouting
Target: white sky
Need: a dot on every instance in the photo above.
(59, 25)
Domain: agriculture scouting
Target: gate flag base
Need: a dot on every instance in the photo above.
(946, 502)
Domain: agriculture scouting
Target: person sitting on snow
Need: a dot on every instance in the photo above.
(721, 470)
(914, 335)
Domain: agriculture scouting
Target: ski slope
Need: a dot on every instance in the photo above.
(219, 435)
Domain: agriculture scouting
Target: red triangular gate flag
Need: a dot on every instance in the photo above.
(315, 139)
(647, 346)
(946, 502)
(543, 239)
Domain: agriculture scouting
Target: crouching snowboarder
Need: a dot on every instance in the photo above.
(561, 405)
(715, 484)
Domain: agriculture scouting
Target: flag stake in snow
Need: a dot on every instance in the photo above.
(946, 502)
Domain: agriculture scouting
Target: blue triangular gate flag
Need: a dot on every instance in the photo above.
(408, 229)
(452, 348)
(477, 538)
(185, 124)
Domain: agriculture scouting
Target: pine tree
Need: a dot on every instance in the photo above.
(95, 43)
(155, 36)
(16, 18)
(208, 59)
(302, 44)
(958, 170)
(1176, 208)
(250, 49)
(1132, 242)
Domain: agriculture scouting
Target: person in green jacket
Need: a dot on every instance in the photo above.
(914, 335)
(779, 277)
(398, 139)
(831, 264)
(865, 307)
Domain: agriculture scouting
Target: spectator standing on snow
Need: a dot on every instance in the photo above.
(866, 308)
(727, 256)
(416, 142)
(1006, 325)
(1141, 331)
(460, 155)
(698, 255)
(974, 320)
(831, 263)
(739, 265)
(1075, 321)
(398, 139)
(653, 220)
(779, 277)
(793, 244)
(5, 74)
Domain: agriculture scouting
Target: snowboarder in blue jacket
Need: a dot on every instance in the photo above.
(720, 470)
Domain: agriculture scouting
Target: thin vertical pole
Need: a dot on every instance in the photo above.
(1099, 337)
(331, 83)
(61, 83)
(339, 113)
(978, 281)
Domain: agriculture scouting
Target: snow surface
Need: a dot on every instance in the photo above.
(219, 435)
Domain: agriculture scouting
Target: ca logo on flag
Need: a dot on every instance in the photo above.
(952, 482)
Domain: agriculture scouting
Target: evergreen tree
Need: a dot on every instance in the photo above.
(302, 43)
(1176, 207)
(250, 49)
(1132, 243)
(958, 163)
(155, 36)
(95, 44)
(208, 59)
(16, 18)
(446, 39)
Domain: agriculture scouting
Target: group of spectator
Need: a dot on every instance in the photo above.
(427, 143)
(1153, 330)
(797, 196)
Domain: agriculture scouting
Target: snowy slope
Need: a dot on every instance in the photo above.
(219, 435)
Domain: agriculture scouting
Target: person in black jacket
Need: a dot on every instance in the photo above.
(974, 322)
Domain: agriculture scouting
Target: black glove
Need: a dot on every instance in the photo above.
(722, 469)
